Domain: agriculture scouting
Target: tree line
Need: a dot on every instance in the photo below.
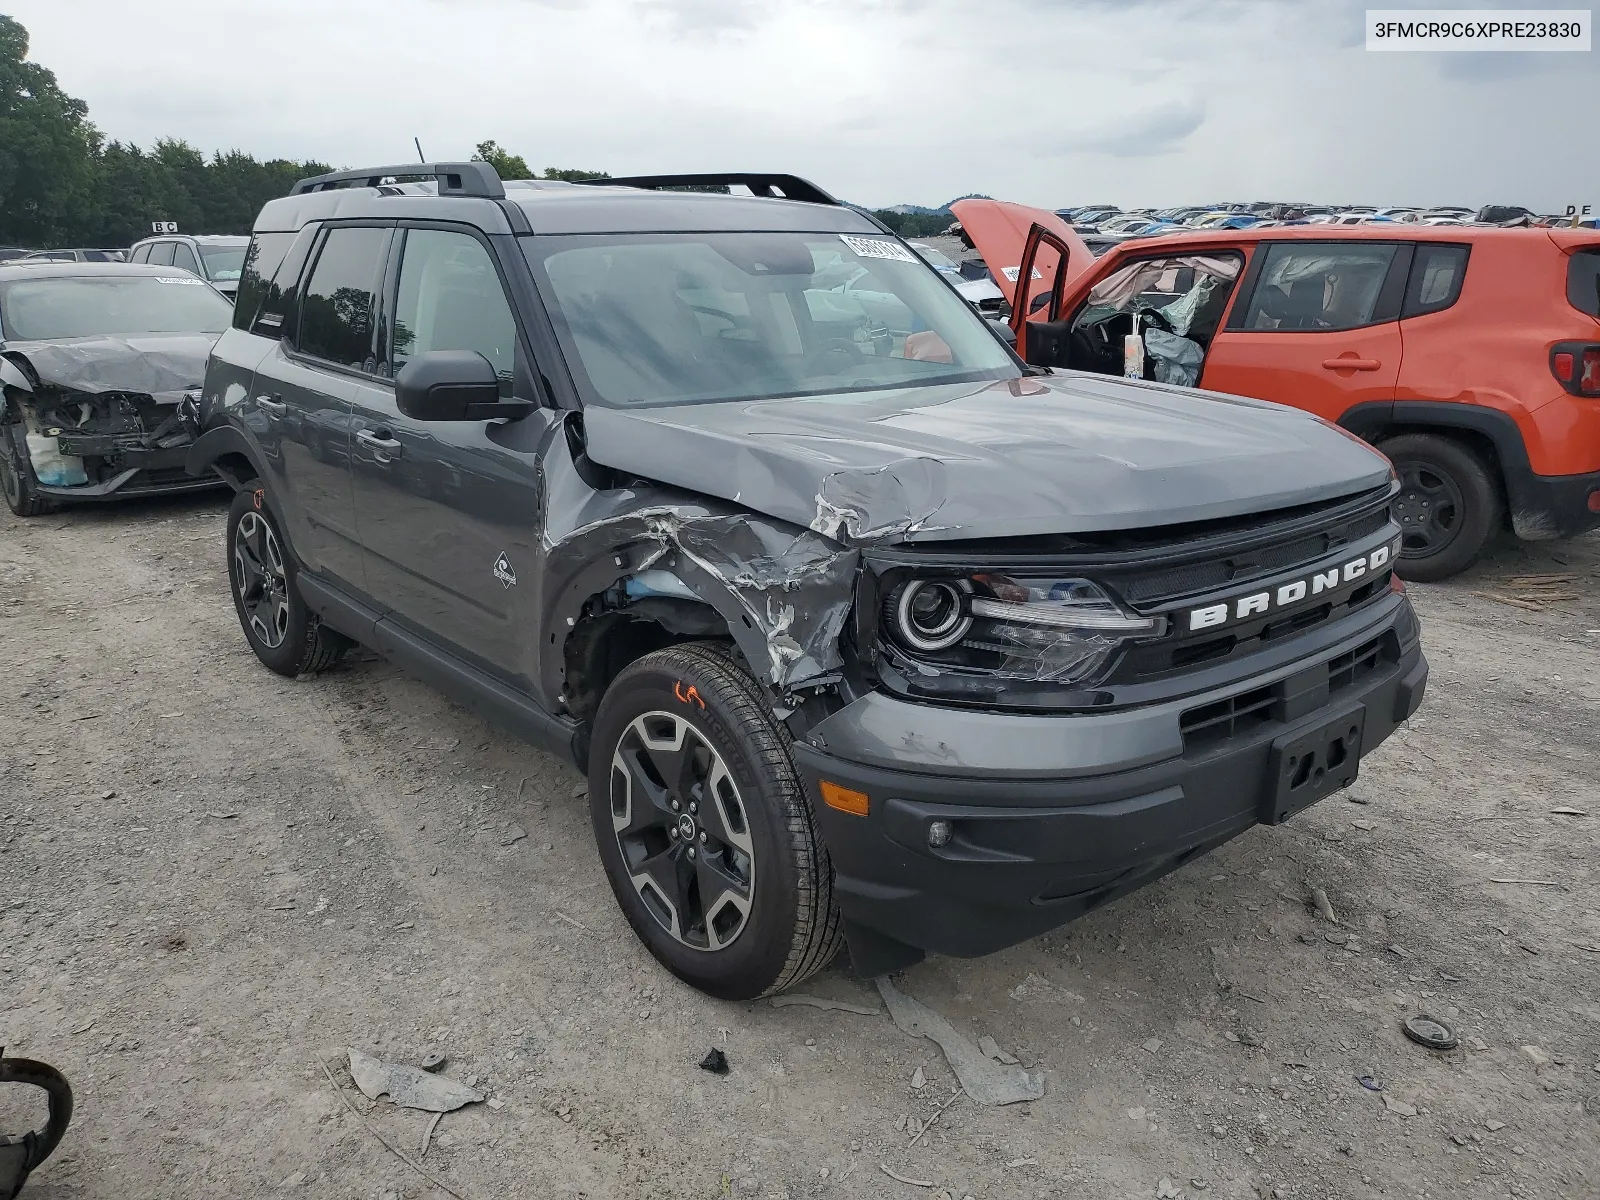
(63, 184)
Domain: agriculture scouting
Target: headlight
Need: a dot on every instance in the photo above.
(933, 614)
(1057, 630)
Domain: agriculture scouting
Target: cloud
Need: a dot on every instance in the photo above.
(1160, 129)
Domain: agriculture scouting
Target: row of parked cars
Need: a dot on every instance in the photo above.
(216, 258)
(1105, 225)
(872, 622)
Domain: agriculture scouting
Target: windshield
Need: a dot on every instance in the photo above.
(51, 309)
(670, 318)
(224, 262)
(935, 257)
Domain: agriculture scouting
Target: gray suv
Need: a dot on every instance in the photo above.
(217, 258)
(864, 631)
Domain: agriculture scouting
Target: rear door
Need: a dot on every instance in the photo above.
(304, 391)
(1316, 326)
(448, 510)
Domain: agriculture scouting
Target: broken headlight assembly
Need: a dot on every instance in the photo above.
(1064, 631)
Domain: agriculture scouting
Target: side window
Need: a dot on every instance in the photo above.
(450, 298)
(336, 306)
(261, 262)
(161, 254)
(1319, 286)
(183, 257)
(142, 254)
(1436, 275)
(1583, 281)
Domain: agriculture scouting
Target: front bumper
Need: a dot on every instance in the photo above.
(1035, 846)
(1552, 506)
(152, 472)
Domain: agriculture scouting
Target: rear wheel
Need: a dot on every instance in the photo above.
(1448, 507)
(17, 480)
(704, 828)
(285, 634)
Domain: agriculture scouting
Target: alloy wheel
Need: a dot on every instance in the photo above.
(682, 827)
(1429, 509)
(260, 580)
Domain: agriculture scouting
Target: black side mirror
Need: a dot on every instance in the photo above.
(1003, 330)
(453, 385)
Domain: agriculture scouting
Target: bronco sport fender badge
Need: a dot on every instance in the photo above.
(503, 571)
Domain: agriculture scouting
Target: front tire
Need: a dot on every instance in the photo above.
(1448, 506)
(285, 634)
(704, 828)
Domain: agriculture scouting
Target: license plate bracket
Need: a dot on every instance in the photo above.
(1316, 763)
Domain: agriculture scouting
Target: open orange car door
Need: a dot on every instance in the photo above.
(999, 231)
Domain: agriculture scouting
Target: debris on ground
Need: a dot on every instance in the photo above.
(921, 1183)
(1368, 1082)
(823, 1002)
(512, 834)
(1151, 1044)
(1430, 1032)
(1399, 1107)
(1537, 1056)
(1320, 902)
(409, 1087)
(1167, 1190)
(715, 1061)
(433, 1063)
(991, 1048)
(918, 1080)
(984, 1080)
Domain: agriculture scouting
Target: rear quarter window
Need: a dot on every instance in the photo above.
(1583, 281)
(1436, 275)
(261, 263)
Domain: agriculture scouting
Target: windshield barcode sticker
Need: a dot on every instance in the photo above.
(877, 248)
(187, 281)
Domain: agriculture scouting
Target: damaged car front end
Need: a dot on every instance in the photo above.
(101, 375)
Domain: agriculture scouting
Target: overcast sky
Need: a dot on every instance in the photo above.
(1052, 102)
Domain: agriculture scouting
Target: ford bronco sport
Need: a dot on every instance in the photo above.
(864, 631)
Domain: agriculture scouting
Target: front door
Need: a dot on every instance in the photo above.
(447, 511)
(1319, 328)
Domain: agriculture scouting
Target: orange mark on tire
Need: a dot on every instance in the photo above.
(687, 695)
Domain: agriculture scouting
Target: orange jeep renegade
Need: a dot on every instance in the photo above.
(1470, 356)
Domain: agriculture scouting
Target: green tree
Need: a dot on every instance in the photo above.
(574, 174)
(47, 149)
(505, 164)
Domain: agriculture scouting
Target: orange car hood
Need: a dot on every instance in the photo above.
(999, 230)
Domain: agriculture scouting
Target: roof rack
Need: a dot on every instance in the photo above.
(455, 179)
(769, 186)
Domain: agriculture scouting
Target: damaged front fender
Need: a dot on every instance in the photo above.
(783, 593)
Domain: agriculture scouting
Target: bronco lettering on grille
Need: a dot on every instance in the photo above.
(1287, 595)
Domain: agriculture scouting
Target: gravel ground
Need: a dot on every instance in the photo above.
(213, 880)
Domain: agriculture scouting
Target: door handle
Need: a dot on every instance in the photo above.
(385, 447)
(271, 405)
(1351, 364)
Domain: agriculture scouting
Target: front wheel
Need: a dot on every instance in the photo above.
(285, 634)
(1448, 507)
(17, 479)
(704, 828)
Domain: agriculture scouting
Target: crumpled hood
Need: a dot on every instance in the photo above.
(163, 365)
(1065, 453)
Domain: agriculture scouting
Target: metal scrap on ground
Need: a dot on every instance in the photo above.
(823, 1002)
(409, 1087)
(984, 1080)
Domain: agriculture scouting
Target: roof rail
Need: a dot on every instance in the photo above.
(760, 183)
(455, 179)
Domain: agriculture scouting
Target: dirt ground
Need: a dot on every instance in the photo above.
(214, 880)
